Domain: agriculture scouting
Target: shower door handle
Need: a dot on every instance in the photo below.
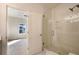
(40, 34)
(0, 45)
(53, 33)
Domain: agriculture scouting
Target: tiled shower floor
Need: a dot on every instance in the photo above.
(46, 52)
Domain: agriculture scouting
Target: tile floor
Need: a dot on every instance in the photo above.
(46, 52)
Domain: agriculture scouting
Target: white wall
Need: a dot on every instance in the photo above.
(3, 27)
(35, 39)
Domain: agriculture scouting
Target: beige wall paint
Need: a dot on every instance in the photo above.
(3, 27)
(0, 32)
(35, 39)
(65, 41)
(0, 17)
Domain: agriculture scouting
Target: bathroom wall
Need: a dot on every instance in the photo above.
(3, 27)
(66, 35)
(0, 33)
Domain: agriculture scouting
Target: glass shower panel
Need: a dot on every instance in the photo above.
(17, 28)
(16, 24)
(68, 35)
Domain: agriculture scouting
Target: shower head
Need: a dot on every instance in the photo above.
(77, 6)
(72, 9)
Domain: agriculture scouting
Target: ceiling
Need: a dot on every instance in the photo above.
(46, 5)
(49, 5)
